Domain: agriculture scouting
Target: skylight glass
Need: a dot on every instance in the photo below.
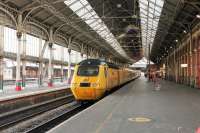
(84, 10)
(150, 11)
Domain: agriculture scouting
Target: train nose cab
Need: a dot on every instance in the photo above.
(86, 82)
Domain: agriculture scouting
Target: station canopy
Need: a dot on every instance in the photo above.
(118, 23)
(141, 63)
(177, 19)
(111, 27)
(150, 11)
(84, 10)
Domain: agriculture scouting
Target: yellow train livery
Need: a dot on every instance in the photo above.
(93, 78)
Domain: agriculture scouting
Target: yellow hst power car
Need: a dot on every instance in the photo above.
(93, 77)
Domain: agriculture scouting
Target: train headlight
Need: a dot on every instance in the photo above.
(95, 85)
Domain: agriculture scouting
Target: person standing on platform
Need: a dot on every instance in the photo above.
(156, 81)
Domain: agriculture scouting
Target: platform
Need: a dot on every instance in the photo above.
(173, 109)
(29, 91)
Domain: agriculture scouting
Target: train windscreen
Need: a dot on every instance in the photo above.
(88, 71)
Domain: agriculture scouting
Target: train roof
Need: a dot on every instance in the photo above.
(97, 62)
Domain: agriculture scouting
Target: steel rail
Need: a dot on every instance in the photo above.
(12, 118)
(45, 126)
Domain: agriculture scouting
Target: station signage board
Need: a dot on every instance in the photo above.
(184, 65)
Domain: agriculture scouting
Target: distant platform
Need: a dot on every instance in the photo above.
(138, 108)
(9, 95)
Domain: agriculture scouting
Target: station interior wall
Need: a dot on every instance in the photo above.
(182, 65)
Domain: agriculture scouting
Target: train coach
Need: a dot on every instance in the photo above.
(93, 78)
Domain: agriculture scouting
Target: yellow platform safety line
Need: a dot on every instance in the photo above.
(140, 119)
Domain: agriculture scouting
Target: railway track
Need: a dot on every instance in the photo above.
(35, 118)
(47, 125)
(14, 117)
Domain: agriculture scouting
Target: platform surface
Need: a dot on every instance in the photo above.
(173, 109)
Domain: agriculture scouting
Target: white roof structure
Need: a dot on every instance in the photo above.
(150, 11)
(84, 10)
(141, 63)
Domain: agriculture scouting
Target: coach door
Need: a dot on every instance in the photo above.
(106, 77)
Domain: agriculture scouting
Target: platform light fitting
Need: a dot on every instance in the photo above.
(198, 16)
(119, 5)
(185, 31)
(176, 40)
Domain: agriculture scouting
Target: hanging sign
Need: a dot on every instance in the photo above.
(184, 65)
